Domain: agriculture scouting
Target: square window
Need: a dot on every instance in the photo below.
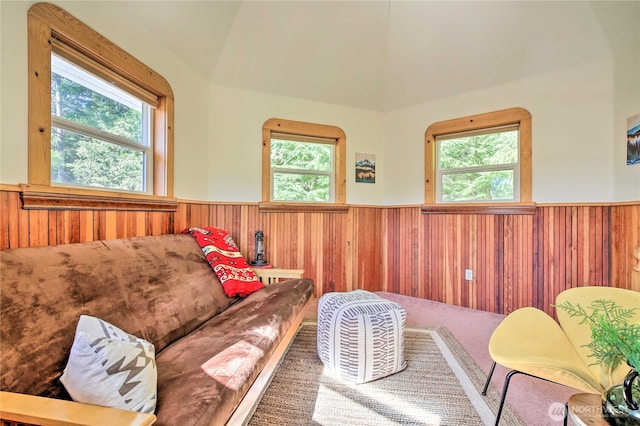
(100, 134)
(303, 163)
(302, 171)
(478, 166)
(479, 163)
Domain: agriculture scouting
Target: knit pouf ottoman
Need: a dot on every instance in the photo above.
(360, 335)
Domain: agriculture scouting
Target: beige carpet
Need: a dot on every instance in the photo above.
(441, 386)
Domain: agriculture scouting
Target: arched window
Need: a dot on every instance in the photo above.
(100, 121)
(479, 163)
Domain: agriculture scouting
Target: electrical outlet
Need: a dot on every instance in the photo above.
(468, 274)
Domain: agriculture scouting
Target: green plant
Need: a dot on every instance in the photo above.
(613, 338)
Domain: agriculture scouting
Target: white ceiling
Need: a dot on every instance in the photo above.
(384, 55)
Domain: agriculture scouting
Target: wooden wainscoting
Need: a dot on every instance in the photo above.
(313, 241)
(625, 238)
(35, 228)
(571, 249)
(517, 260)
(434, 250)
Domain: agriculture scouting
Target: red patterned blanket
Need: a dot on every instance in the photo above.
(223, 255)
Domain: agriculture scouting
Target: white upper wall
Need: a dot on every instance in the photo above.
(627, 103)
(13, 92)
(236, 123)
(579, 118)
(573, 133)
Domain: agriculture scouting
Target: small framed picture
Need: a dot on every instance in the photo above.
(633, 140)
(365, 168)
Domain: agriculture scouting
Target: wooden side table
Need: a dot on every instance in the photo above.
(585, 409)
(273, 275)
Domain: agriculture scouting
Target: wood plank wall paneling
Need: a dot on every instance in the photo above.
(571, 249)
(366, 247)
(624, 238)
(517, 260)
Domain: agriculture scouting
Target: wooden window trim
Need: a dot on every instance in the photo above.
(278, 125)
(46, 22)
(519, 116)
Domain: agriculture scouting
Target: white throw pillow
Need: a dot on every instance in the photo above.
(110, 367)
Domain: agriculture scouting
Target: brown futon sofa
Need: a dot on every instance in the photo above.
(209, 348)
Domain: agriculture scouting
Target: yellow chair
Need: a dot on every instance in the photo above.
(530, 342)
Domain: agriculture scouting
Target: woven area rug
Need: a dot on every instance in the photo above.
(440, 386)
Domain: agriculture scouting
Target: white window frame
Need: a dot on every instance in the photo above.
(515, 167)
(287, 170)
(93, 82)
